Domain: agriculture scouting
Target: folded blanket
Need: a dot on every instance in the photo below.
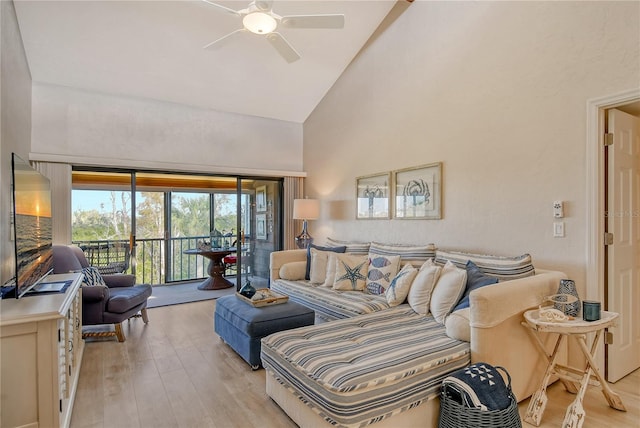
(478, 386)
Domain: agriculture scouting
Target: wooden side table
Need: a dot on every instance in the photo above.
(216, 280)
(578, 328)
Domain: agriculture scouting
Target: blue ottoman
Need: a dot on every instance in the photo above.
(242, 326)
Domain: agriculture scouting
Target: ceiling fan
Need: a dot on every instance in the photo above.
(259, 18)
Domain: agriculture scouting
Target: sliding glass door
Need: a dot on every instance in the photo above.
(172, 213)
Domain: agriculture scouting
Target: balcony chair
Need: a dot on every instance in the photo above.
(117, 301)
(108, 257)
(229, 263)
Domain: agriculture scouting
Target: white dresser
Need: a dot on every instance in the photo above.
(41, 351)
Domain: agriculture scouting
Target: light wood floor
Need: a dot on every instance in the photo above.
(176, 372)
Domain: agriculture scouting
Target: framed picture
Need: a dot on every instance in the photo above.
(261, 199)
(372, 196)
(261, 226)
(418, 192)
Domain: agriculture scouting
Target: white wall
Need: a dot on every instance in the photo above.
(497, 91)
(15, 123)
(123, 131)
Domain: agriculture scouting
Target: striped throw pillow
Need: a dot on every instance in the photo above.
(414, 254)
(503, 268)
(353, 247)
(92, 277)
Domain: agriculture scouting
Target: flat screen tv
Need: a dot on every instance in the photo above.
(32, 226)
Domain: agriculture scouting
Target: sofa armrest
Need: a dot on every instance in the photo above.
(279, 258)
(119, 280)
(494, 304)
(497, 336)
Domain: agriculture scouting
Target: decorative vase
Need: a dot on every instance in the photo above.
(572, 309)
(248, 290)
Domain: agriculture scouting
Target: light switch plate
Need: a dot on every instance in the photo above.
(558, 229)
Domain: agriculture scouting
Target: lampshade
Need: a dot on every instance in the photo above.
(259, 23)
(306, 209)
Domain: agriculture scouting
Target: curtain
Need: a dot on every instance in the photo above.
(293, 189)
(59, 174)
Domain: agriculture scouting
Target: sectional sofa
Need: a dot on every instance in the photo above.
(367, 361)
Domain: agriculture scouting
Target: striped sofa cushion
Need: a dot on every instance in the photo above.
(358, 371)
(330, 304)
(414, 254)
(501, 267)
(353, 247)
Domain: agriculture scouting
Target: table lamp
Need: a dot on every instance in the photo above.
(305, 209)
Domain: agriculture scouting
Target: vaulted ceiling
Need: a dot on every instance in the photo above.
(154, 50)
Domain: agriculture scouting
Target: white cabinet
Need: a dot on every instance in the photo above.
(41, 350)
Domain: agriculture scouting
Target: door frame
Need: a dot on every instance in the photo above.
(595, 174)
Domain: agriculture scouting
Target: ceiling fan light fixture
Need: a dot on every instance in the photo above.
(259, 23)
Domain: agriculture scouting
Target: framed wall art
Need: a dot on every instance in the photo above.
(373, 196)
(418, 192)
(261, 226)
(261, 199)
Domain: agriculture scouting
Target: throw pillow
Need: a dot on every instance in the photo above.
(399, 287)
(318, 271)
(475, 279)
(353, 247)
(458, 325)
(92, 276)
(382, 269)
(293, 271)
(341, 249)
(414, 254)
(419, 297)
(503, 268)
(331, 270)
(447, 292)
(351, 272)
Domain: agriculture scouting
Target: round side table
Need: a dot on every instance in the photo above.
(574, 417)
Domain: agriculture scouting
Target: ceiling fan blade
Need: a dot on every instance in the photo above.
(226, 9)
(313, 21)
(264, 5)
(283, 47)
(223, 38)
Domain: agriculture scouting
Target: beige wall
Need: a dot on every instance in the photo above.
(112, 130)
(15, 123)
(497, 91)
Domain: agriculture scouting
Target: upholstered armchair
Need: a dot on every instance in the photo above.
(113, 302)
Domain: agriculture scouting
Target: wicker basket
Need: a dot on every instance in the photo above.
(456, 415)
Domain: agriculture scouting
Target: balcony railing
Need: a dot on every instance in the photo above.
(156, 261)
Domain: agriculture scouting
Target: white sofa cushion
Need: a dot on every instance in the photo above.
(321, 248)
(448, 291)
(419, 297)
(318, 266)
(331, 270)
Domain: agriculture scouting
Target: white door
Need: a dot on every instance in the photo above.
(623, 221)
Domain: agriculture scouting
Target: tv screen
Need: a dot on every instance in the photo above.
(32, 225)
